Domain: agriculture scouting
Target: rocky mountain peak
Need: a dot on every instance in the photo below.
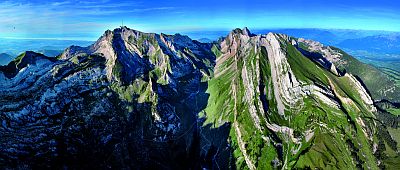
(28, 57)
(244, 31)
(23, 60)
(133, 53)
(138, 100)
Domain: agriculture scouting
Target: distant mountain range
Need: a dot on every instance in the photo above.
(135, 100)
(326, 36)
(382, 44)
(378, 48)
(363, 44)
(5, 58)
(329, 36)
(374, 45)
(49, 47)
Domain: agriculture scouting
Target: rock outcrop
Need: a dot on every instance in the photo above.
(125, 101)
(136, 100)
(288, 105)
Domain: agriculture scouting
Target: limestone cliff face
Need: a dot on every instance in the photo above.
(287, 105)
(380, 87)
(134, 53)
(51, 109)
(129, 100)
(157, 101)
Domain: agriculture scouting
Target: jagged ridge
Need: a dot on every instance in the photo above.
(143, 100)
(287, 109)
(125, 101)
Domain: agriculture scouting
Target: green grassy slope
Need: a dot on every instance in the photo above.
(338, 139)
(380, 85)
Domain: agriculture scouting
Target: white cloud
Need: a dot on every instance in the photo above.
(62, 16)
(61, 3)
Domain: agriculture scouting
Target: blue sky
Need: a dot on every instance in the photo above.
(78, 19)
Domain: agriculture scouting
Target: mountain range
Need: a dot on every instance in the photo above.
(48, 47)
(135, 100)
(386, 44)
(5, 58)
(366, 45)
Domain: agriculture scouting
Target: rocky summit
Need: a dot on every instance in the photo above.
(136, 100)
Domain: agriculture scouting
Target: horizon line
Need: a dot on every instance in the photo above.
(88, 39)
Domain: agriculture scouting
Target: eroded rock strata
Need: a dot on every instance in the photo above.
(155, 101)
